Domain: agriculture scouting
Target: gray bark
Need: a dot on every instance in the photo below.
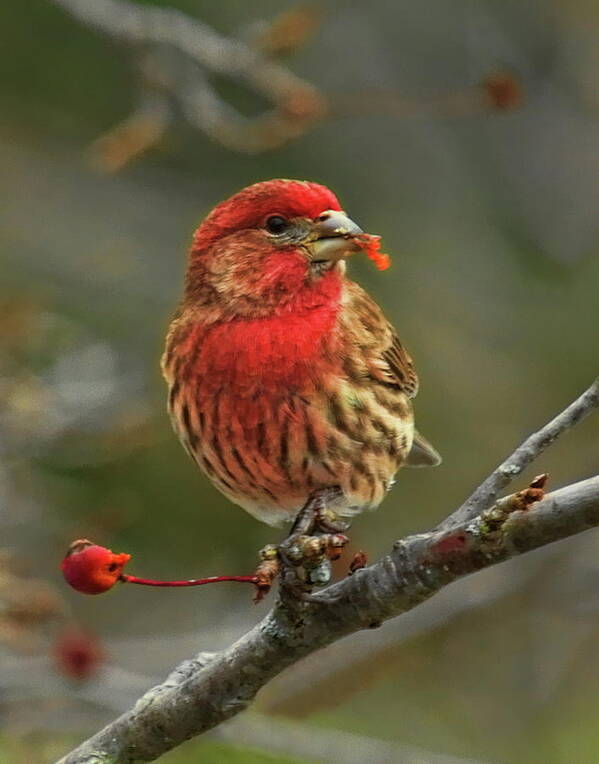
(211, 688)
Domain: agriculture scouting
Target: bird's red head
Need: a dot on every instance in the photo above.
(258, 249)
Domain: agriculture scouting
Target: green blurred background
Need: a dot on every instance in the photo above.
(492, 221)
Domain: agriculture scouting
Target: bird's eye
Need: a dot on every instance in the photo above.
(276, 224)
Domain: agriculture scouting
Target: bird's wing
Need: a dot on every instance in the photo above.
(387, 361)
(391, 364)
(384, 357)
(397, 366)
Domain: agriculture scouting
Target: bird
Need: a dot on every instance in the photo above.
(285, 379)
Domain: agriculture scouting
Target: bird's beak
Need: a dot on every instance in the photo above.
(331, 237)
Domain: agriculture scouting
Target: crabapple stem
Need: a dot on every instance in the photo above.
(127, 579)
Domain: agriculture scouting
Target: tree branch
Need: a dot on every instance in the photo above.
(206, 691)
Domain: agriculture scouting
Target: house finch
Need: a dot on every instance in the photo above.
(284, 376)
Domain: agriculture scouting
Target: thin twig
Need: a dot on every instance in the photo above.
(488, 491)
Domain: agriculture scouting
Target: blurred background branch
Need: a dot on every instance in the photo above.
(176, 55)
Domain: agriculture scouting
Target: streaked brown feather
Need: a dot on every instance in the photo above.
(400, 365)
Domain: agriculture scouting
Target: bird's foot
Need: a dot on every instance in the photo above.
(303, 559)
(311, 556)
(327, 521)
(315, 514)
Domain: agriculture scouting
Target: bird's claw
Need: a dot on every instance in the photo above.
(302, 561)
(327, 521)
(304, 558)
(310, 556)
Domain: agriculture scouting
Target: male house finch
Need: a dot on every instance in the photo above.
(285, 378)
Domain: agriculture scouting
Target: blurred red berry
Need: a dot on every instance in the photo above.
(504, 90)
(78, 654)
(92, 569)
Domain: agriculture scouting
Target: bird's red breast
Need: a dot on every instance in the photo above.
(273, 353)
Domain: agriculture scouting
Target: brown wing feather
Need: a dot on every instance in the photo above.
(400, 365)
(391, 363)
